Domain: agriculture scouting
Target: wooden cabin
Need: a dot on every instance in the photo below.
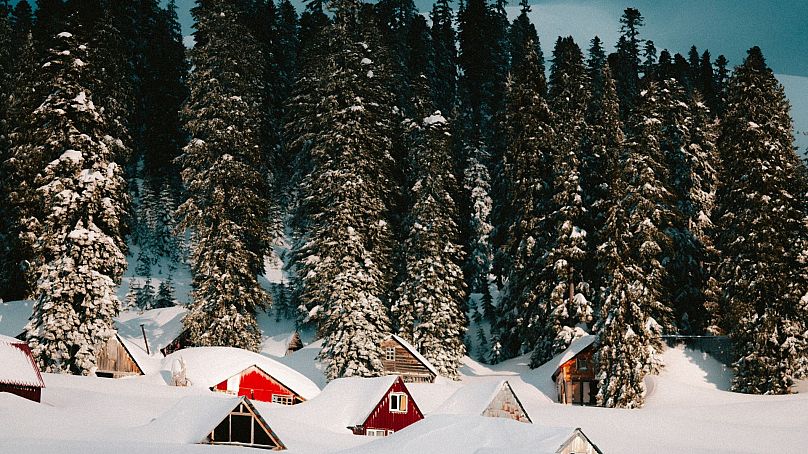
(115, 359)
(240, 373)
(490, 398)
(19, 373)
(578, 443)
(575, 374)
(244, 426)
(399, 357)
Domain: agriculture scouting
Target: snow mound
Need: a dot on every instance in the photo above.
(209, 366)
(453, 434)
(471, 399)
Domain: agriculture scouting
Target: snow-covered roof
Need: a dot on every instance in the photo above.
(209, 366)
(346, 402)
(14, 316)
(450, 434)
(577, 346)
(410, 348)
(472, 399)
(162, 326)
(191, 419)
(149, 364)
(17, 366)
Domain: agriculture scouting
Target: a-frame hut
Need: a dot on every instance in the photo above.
(216, 420)
(491, 398)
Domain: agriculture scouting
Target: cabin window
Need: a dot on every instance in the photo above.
(398, 403)
(582, 364)
(241, 428)
(390, 353)
(283, 399)
(375, 433)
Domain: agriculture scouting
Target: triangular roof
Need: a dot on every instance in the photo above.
(348, 402)
(193, 418)
(575, 348)
(474, 398)
(410, 348)
(580, 432)
(209, 366)
(18, 365)
(162, 326)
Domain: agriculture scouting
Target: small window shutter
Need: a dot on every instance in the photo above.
(403, 403)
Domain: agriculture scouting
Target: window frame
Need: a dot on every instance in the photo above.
(283, 399)
(579, 362)
(398, 398)
(390, 354)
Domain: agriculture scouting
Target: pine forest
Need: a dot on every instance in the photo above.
(456, 178)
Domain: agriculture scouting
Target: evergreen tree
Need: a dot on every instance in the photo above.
(444, 51)
(522, 31)
(144, 297)
(477, 185)
(706, 85)
(343, 254)
(527, 177)
(627, 69)
(564, 286)
(430, 308)
(226, 205)
(721, 81)
(762, 232)
(165, 294)
(76, 204)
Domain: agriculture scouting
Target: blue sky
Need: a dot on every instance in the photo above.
(779, 27)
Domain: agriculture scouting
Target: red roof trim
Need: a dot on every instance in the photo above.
(24, 348)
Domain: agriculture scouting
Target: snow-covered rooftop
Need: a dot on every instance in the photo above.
(472, 399)
(461, 434)
(191, 419)
(162, 326)
(410, 348)
(346, 402)
(577, 346)
(14, 316)
(209, 366)
(17, 366)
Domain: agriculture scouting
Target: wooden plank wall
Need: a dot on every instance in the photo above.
(114, 359)
(405, 364)
(505, 405)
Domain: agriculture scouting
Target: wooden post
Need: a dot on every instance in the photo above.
(145, 341)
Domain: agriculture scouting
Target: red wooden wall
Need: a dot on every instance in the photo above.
(28, 392)
(382, 418)
(256, 384)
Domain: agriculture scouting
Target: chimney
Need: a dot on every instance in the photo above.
(145, 341)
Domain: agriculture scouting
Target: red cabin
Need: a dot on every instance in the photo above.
(19, 373)
(374, 407)
(241, 373)
(256, 384)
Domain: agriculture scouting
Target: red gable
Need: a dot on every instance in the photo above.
(256, 384)
(395, 411)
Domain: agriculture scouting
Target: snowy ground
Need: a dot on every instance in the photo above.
(688, 411)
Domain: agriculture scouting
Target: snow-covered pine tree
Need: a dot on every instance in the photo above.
(762, 232)
(144, 298)
(626, 69)
(74, 222)
(631, 255)
(431, 297)
(343, 255)
(651, 210)
(691, 160)
(527, 175)
(226, 206)
(477, 186)
(520, 32)
(165, 294)
(563, 284)
(444, 52)
(599, 168)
